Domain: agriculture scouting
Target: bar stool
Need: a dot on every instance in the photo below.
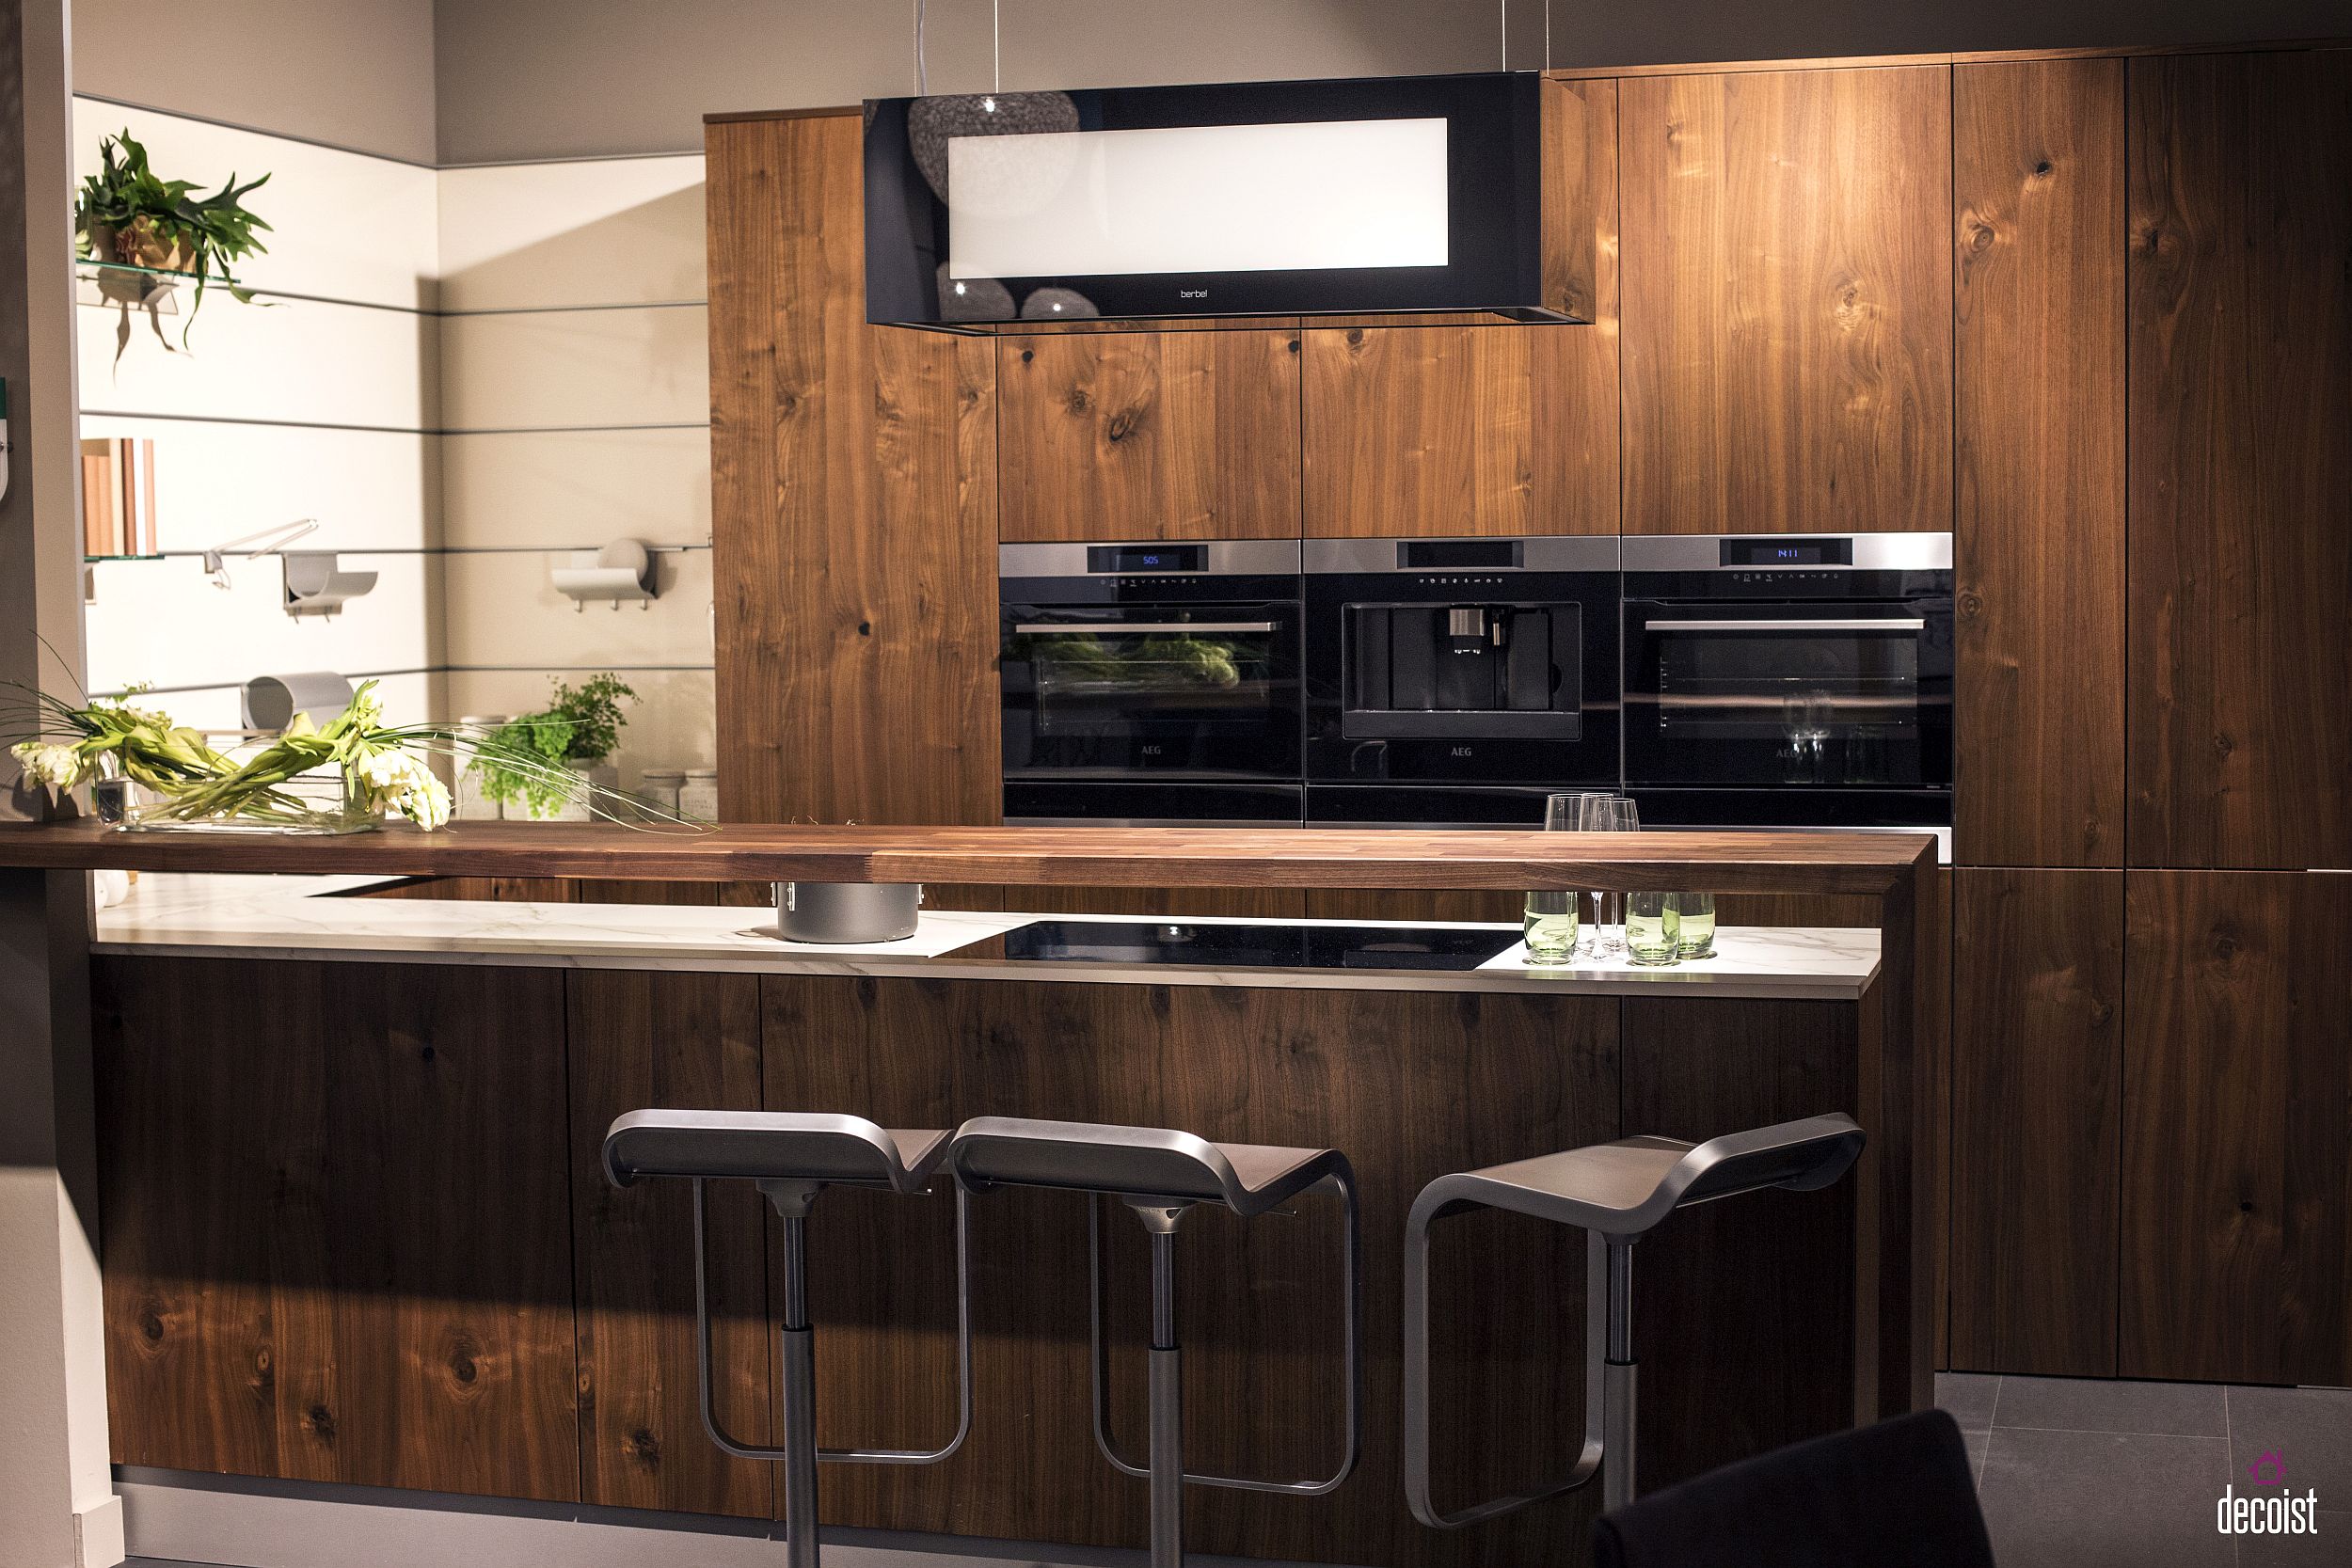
(793, 1156)
(1159, 1175)
(1617, 1193)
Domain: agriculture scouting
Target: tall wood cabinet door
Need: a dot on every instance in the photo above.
(641, 1040)
(2237, 1135)
(210, 1078)
(1148, 436)
(449, 1188)
(853, 509)
(2240, 746)
(1488, 430)
(1788, 301)
(2037, 1120)
(2038, 698)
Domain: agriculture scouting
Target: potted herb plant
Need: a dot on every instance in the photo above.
(577, 732)
(129, 217)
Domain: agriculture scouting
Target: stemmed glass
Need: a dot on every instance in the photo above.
(1552, 916)
(1610, 813)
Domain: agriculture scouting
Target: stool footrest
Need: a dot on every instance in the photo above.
(1416, 1380)
(1351, 1350)
(786, 1454)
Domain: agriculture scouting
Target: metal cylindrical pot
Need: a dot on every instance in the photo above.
(847, 912)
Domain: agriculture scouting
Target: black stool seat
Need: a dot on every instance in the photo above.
(771, 1145)
(1627, 1187)
(1136, 1163)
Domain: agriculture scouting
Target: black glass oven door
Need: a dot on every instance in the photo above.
(1846, 695)
(1191, 691)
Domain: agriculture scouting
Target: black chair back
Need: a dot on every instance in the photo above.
(1898, 1494)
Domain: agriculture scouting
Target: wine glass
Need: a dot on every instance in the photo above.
(1610, 813)
(1550, 919)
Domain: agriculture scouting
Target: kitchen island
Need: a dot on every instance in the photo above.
(353, 1230)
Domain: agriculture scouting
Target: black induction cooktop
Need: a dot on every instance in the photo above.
(1255, 945)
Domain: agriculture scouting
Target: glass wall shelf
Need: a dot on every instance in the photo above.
(144, 288)
(94, 560)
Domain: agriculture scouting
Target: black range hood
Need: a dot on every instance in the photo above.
(1017, 212)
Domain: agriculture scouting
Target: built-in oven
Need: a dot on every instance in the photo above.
(1781, 681)
(1151, 682)
(1457, 680)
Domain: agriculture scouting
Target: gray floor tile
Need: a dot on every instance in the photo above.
(2102, 1499)
(2310, 1429)
(2097, 1405)
(1969, 1397)
(2331, 1546)
(1977, 1442)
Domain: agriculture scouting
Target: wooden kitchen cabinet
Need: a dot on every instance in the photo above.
(1498, 429)
(1148, 436)
(2237, 1132)
(1788, 301)
(2037, 1120)
(2038, 540)
(853, 508)
(2240, 565)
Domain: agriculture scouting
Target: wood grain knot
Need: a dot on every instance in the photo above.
(1355, 337)
(1980, 235)
(644, 1447)
(151, 1325)
(1123, 424)
(1970, 606)
(2223, 745)
(321, 1422)
(2042, 168)
(463, 1366)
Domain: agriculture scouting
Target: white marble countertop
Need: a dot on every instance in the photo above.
(288, 917)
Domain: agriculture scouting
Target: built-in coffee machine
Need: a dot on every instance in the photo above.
(1458, 680)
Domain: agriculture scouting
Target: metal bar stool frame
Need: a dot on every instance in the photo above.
(1803, 1156)
(792, 1198)
(1214, 1180)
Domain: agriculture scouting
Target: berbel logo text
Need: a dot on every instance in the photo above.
(2280, 1515)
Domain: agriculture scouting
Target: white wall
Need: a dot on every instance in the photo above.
(320, 402)
(465, 375)
(575, 388)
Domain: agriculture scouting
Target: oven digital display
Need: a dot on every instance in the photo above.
(1148, 558)
(1787, 552)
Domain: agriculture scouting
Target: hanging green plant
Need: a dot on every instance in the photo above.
(128, 217)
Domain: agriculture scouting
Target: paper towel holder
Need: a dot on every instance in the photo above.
(316, 584)
(623, 570)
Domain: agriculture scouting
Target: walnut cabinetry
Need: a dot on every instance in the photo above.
(2036, 1116)
(2038, 698)
(2237, 1132)
(853, 508)
(1434, 428)
(2241, 459)
(1149, 434)
(1788, 301)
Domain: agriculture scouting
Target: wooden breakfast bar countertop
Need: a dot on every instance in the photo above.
(1853, 862)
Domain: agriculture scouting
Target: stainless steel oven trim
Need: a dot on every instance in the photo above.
(1254, 558)
(1131, 628)
(1872, 552)
(1537, 553)
(1827, 623)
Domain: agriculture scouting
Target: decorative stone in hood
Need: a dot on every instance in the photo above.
(1457, 195)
